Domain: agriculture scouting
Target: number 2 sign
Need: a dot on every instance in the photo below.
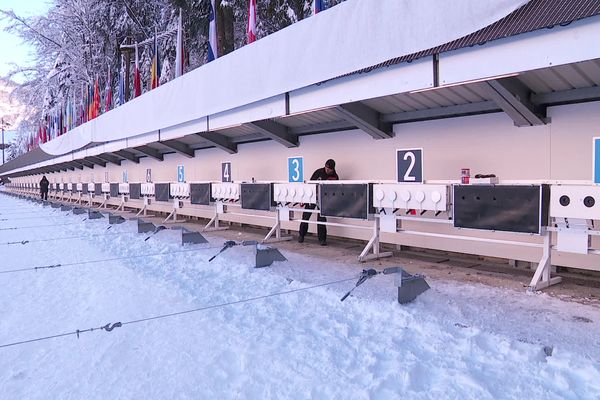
(409, 165)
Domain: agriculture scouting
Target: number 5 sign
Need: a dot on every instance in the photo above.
(295, 169)
(409, 165)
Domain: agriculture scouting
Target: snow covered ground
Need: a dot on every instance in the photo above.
(457, 341)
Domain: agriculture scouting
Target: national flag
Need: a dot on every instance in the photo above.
(180, 56)
(137, 82)
(90, 103)
(122, 83)
(317, 6)
(213, 52)
(45, 130)
(108, 92)
(96, 99)
(252, 22)
(155, 70)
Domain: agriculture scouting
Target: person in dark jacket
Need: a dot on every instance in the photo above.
(44, 187)
(326, 173)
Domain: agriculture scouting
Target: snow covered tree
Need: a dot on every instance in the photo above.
(77, 41)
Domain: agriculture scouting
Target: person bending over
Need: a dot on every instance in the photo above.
(326, 173)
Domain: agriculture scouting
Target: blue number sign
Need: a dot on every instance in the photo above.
(295, 169)
(125, 178)
(180, 174)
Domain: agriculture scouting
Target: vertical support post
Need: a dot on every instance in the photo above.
(276, 229)
(373, 245)
(542, 276)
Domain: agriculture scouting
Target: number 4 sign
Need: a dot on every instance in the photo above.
(409, 165)
(225, 172)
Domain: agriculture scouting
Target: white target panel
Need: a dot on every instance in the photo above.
(411, 196)
(106, 188)
(91, 187)
(179, 190)
(225, 191)
(79, 187)
(147, 189)
(577, 201)
(295, 193)
(123, 188)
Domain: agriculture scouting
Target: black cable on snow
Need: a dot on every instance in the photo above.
(52, 266)
(110, 326)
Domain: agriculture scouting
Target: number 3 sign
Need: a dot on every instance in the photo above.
(295, 169)
(409, 165)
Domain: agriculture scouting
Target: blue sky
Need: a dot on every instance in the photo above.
(11, 48)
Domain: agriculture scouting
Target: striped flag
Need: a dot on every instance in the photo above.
(155, 71)
(317, 6)
(96, 99)
(179, 58)
(213, 52)
(137, 82)
(252, 22)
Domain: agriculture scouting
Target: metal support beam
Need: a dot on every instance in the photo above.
(150, 152)
(275, 131)
(179, 147)
(96, 160)
(109, 158)
(567, 96)
(513, 97)
(76, 164)
(127, 155)
(442, 112)
(220, 141)
(366, 119)
(323, 128)
(84, 163)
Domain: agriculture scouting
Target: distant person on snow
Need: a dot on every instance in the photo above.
(326, 173)
(44, 187)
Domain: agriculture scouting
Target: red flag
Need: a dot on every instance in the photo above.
(137, 83)
(252, 22)
(96, 99)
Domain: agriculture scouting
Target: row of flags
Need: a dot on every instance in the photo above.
(68, 116)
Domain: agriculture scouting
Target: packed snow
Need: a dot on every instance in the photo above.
(456, 341)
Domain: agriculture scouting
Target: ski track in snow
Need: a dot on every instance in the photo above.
(456, 341)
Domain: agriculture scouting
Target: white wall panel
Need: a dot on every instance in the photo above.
(395, 79)
(269, 108)
(544, 48)
(187, 128)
